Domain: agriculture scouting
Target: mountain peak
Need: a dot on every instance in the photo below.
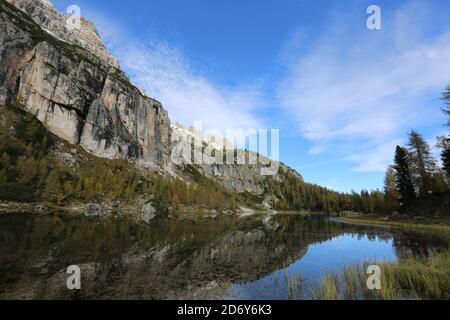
(47, 16)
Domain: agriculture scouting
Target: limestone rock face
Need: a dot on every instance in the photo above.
(50, 87)
(69, 81)
(78, 95)
(245, 177)
(236, 178)
(45, 14)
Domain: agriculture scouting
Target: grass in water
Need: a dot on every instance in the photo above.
(328, 289)
(412, 278)
(294, 286)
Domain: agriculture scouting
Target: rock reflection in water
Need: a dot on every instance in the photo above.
(120, 259)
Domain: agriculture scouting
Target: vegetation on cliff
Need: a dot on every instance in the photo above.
(35, 165)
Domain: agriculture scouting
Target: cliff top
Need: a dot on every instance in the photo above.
(44, 13)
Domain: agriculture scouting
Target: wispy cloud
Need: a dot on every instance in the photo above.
(164, 73)
(350, 91)
(361, 91)
(376, 158)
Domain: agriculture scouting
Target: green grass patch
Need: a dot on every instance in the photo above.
(417, 277)
(441, 225)
(412, 278)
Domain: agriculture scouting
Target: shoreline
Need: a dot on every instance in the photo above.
(139, 209)
(426, 224)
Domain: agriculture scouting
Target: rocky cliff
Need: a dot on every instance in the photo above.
(44, 13)
(71, 84)
(67, 79)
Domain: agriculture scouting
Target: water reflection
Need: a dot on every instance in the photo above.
(229, 258)
(321, 259)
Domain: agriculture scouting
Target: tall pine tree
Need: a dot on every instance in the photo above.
(446, 98)
(445, 156)
(403, 177)
(391, 195)
(445, 145)
(422, 163)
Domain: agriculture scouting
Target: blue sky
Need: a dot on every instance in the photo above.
(342, 96)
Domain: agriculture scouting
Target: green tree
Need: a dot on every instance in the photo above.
(5, 161)
(438, 184)
(444, 144)
(391, 195)
(422, 163)
(3, 181)
(53, 189)
(403, 177)
(446, 98)
(446, 161)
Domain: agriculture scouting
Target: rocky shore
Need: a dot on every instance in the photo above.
(142, 210)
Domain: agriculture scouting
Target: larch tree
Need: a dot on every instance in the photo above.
(391, 195)
(444, 144)
(445, 141)
(403, 177)
(422, 163)
(446, 98)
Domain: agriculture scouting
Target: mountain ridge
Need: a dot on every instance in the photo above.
(78, 96)
(85, 100)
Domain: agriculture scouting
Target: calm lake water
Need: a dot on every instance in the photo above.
(233, 258)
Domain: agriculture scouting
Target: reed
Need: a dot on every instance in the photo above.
(412, 278)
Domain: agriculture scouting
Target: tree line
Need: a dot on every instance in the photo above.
(30, 171)
(416, 183)
(416, 178)
(297, 195)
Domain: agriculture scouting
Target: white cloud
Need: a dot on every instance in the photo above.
(363, 94)
(355, 94)
(166, 75)
(376, 158)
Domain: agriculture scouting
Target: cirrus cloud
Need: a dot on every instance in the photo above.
(360, 91)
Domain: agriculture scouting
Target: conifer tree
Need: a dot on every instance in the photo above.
(446, 98)
(422, 163)
(391, 195)
(445, 156)
(445, 141)
(403, 177)
(3, 181)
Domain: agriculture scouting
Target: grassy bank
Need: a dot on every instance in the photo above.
(440, 225)
(413, 278)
